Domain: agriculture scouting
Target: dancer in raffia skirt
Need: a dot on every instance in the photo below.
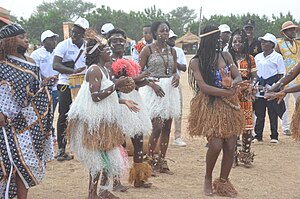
(135, 124)
(94, 124)
(215, 111)
(161, 97)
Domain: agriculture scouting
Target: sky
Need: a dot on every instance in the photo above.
(24, 8)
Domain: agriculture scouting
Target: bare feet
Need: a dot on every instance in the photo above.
(107, 195)
(94, 196)
(142, 184)
(120, 188)
(208, 191)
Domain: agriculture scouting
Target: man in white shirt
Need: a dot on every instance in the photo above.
(270, 68)
(147, 40)
(68, 59)
(43, 58)
(225, 36)
(181, 66)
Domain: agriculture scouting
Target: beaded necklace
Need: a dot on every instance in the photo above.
(166, 63)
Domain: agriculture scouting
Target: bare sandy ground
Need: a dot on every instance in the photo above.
(274, 175)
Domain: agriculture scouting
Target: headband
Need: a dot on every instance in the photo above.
(118, 36)
(100, 42)
(209, 33)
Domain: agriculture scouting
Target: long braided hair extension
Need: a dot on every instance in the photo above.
(207, 54)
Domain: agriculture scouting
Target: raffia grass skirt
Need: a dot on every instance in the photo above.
(106, 137)
(295, 124)
(221, 119)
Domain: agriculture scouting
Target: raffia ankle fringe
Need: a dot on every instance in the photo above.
(224, 188)
(139, 172)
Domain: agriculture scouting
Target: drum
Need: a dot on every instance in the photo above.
(129, 146)
(75, 82)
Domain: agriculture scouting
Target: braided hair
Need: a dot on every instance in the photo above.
(207, 54)
(245, 50)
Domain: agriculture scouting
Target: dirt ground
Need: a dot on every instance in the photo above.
(275, 173)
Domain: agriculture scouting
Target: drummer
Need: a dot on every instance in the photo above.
(68, 59)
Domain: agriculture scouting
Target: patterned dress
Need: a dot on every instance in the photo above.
(25, 143)
(246, 95)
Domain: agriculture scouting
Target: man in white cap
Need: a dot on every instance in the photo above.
(270, 68)
(225, 35)
(68, 59)
(289, 48)
(106, 28)
(181, 66)
(43, 58)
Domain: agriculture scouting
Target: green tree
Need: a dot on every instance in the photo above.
(52, 15)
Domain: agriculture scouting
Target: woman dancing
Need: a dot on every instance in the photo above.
(161, 96)
(215, 110)
(94, 123)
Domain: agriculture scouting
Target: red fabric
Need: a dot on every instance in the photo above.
(139, 46)
(125, 67)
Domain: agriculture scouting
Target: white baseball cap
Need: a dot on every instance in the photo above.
(82, 23)
(268, 37)
(106, 28)
(46, 34)
(224, 28)
(172, 34)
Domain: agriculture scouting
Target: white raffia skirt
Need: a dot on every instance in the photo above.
(135, 123)
(166, 107)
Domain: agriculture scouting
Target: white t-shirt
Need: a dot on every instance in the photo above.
(69, 52)
(269, 66)
(180, 57)
(44, 60)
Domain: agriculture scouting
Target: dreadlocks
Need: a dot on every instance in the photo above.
(245, 51)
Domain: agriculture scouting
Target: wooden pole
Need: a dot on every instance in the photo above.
(200, 16)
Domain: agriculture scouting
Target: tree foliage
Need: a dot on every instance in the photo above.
(52, 15)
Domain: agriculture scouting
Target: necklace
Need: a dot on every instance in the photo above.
(294, 53)
(166, 63)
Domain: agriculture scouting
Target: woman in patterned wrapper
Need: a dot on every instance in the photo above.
(215, 111)
(94, 124)
(25, 116)
(161, 96)
(238, 48)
